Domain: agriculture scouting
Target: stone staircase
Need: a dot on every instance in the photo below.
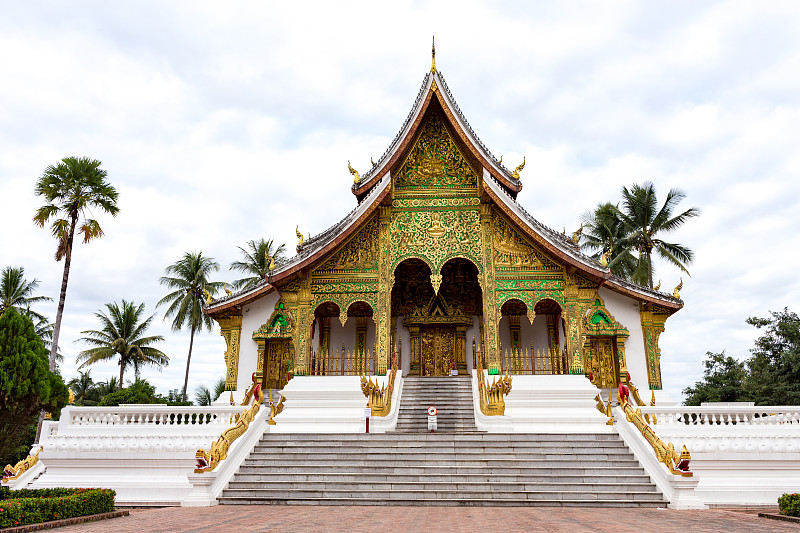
(452, 396)
(456, 466)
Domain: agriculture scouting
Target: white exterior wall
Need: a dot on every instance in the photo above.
(254, 316)
(626, 311)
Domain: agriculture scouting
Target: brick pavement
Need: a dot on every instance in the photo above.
(241, 519)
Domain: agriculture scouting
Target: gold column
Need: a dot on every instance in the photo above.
(461, 349)
(514, 332)
(653, 319)
(262, 348)
(577, 299)
(415, 351)
(361, 343)
(231, 330)
(324, 343)
(491, 349)
(304, 318)
(385, 282)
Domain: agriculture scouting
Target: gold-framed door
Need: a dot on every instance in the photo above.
(276, 357)
(437, 350)
(605, 365)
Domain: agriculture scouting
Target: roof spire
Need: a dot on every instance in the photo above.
(433, 54)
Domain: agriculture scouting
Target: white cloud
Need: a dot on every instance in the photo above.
(221, 123)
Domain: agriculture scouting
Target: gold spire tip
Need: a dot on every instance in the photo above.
(433, 54)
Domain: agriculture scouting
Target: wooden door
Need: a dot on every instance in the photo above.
(604, 362)
(276, 358)
(438, 350)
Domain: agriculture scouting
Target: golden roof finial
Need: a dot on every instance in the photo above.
(71, 400)
(209, 298)
(606, 257)
(677, 292)
(576, 235)
(270, 261)
(517, 170)
(354, 172)
(433, 54)
(299, 236)
(658, 286)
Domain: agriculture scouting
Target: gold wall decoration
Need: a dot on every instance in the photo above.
(653, 319)
(491, 311)
(231, 330)
(514, 251)
(434, 160)
(435, 237)
(359, 253)
(385, 282)
(604, 345)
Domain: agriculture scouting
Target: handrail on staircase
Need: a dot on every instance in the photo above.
(379, 398)
(491, 396)
(218, 452)
(677, 464)
(13, 472)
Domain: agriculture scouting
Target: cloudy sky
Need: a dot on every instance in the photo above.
(221, 122)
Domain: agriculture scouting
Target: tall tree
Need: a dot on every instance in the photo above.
(71, 188)
(774, 364)
(255, 261)
(604, 232)
(84, 389)
(644, 221)
(188, 280)
(26, 384)
(122, 335)
(723, 381)
(17, 292)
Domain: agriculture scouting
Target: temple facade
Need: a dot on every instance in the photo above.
(438, 269)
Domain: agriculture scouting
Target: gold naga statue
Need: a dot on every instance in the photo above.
(517, 170)
(576, 235)
(299, 236)
(677, 292)
(354, 172)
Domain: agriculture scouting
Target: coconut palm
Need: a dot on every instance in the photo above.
(644, 221)
(16, 291)
(255, 261)
(188, 277)
(603, 230)
(205, 396)
(83, 387)
(71, 188)
(122, 335)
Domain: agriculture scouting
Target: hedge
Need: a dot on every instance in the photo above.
(31, 506)
(789, 504)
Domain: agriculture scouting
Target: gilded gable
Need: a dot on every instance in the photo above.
(435, 161)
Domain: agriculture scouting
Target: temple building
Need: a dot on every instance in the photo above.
(437, 262)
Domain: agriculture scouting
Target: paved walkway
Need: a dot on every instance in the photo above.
(241, 519)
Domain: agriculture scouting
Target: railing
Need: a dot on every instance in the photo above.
(150, 415)
(536, 362)
(677, 464)
(725, 415)
(343, 363)
(379, 398)
(492, 402)
(208, 460)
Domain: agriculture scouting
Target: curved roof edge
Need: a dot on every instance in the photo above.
(234, 302)
(565, 249)
(442, 93)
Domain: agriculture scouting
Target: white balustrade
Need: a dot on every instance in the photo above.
(724, 415)
(151, 415)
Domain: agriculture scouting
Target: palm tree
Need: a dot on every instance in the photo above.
(643, 221)
(70, 188)
(256, 262)
(16, 291)
(202, 395)
(122, 335)
(603, 230)
(83, 387)
(189, 279)
(219, 388)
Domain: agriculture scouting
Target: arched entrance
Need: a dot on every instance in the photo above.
(275, 348)
(345, 342)
(435, 324)
(532, 342)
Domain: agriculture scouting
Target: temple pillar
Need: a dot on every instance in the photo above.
(461, 349)
(304, 317)
(385, 282)
(415, 350)
(231, 330)
(491, 348)
(653, 319)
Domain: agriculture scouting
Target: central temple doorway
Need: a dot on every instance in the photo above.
(436, 322)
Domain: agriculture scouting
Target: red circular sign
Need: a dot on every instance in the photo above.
(431, 411)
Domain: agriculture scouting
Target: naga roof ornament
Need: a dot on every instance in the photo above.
(517, 170)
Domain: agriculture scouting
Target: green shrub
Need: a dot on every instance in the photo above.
(139, 391)
(26, 506)
(789, 504)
